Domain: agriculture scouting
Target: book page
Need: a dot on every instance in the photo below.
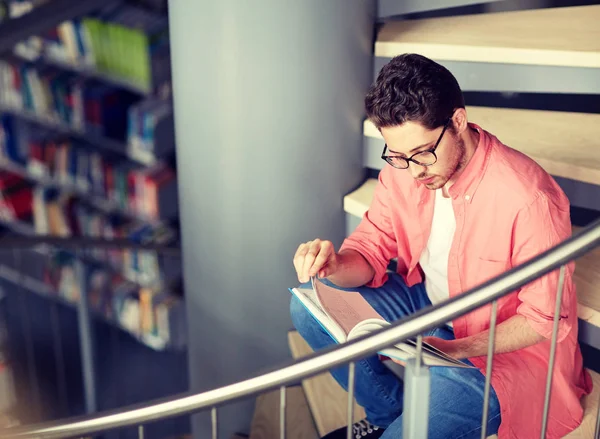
(311, 296)
(308, 298)
(346, 308)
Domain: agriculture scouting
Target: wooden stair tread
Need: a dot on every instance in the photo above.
(326, 399)
(565, 144)
(587, 280)
(590, 404)
(299, 422)
(587, 268)
(568, 36)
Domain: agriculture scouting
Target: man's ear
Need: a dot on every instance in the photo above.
(460, 121)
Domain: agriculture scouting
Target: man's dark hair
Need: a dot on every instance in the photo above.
(413, 88)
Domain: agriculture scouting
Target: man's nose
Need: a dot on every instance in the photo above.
(416, 170)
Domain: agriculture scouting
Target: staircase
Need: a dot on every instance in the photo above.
(520, 51)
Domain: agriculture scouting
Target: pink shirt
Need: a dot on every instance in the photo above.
(507, 210)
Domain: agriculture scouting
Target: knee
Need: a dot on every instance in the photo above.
(303, 321)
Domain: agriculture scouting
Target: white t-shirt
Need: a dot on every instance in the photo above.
(434, 260)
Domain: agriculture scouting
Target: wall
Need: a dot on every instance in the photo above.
(268, 109)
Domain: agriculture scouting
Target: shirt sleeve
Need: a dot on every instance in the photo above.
(374, 238)
(538, 227)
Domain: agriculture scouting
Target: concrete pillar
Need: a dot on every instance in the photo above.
(268, 116)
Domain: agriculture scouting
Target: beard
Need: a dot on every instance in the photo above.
(455, 165)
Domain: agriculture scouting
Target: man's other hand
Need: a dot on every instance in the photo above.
(314, 258)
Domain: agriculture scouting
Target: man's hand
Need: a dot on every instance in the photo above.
(347, 269)
(449, 347)
(315, 258)
(446, 346)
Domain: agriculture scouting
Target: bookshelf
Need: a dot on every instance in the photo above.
(88, 127)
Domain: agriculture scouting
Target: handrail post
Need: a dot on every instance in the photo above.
(415, 415)
(86, 339)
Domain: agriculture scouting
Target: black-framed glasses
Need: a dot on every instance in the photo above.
(421, 158)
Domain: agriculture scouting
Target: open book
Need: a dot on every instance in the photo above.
(346, 315)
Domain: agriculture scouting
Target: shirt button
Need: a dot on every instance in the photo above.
(467, 197)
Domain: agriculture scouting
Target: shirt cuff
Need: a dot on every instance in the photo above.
(543, 324)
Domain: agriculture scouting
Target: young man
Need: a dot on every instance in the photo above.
(456, 207)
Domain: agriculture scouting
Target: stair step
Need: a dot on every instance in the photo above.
(391, 8)
(326, 399)
(299, 422)
(568, 36)
(590, 403)
(587, 280)
(587, 271)
(544, 136)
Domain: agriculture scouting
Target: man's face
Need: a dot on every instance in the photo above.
(412, 137)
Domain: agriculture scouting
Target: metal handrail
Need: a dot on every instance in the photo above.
(426, 319)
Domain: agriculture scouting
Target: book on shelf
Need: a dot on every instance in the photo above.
(38, 154)
(150, 129)
(96, 110)
(125, 42)
(346, 315)
(16, 197)
(153, 315)
(142, 129)
(47, 211)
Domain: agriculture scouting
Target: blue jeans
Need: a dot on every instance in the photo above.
(456, 396)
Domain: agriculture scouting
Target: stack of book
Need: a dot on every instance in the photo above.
(150, 131)
(63, 98)
(16, 198)
(122, 41)
(38, 154)
(151, 315)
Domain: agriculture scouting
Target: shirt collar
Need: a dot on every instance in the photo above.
(468, 182)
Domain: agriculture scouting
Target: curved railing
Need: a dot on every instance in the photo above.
(429, 318)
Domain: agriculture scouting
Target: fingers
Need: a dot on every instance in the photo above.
(321, 260)
(314, 249)
(299, 258)
(311, 257)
